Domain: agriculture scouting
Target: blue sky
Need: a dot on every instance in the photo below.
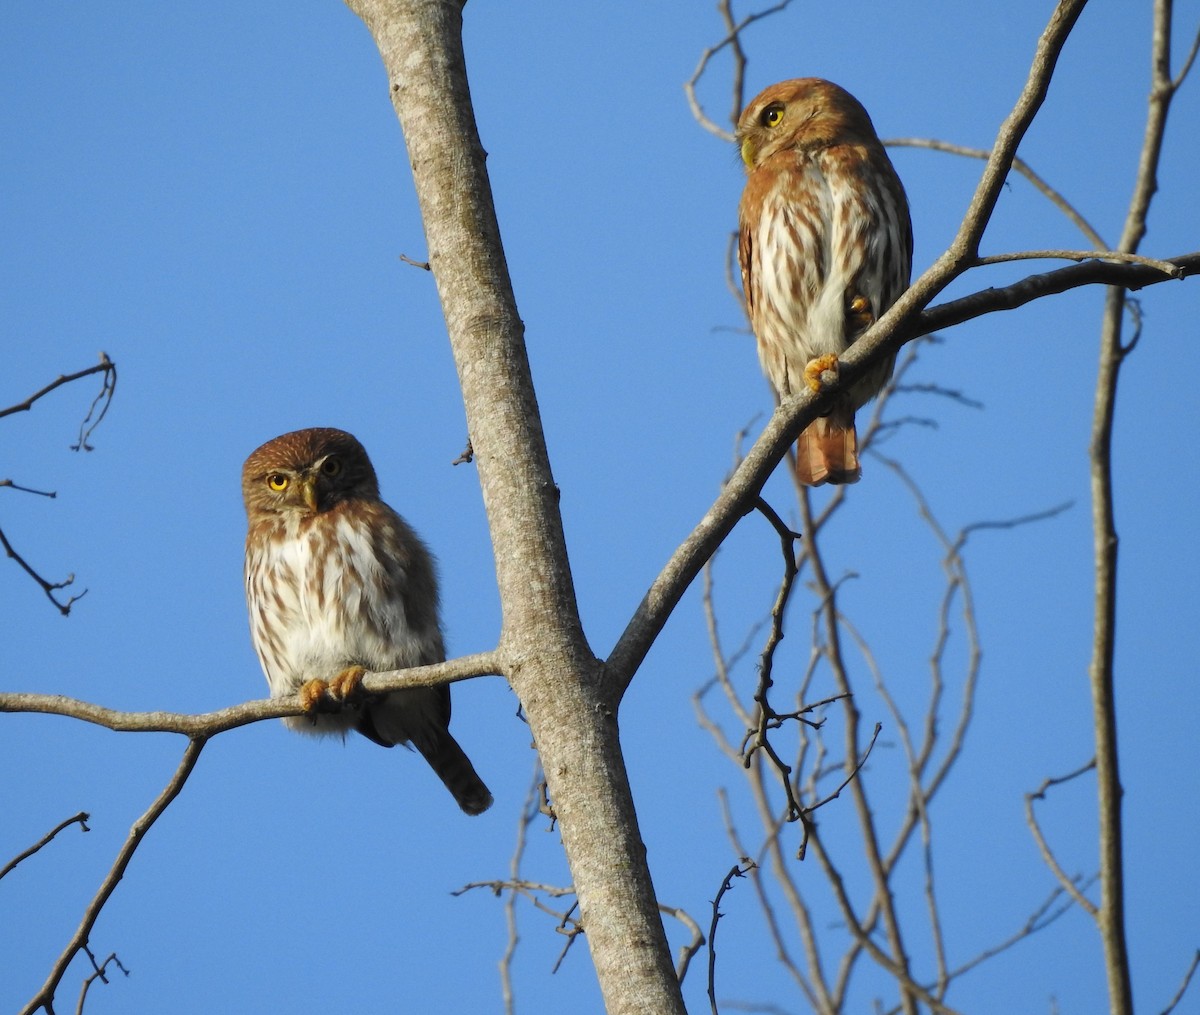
(217, 196)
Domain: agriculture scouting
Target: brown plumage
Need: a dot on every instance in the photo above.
(338, 583)
(825, 246)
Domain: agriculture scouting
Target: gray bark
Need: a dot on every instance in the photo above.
(542, 651)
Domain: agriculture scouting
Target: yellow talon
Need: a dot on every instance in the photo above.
(345, 685)
(821, 372)
(859, 315)
(311, 694)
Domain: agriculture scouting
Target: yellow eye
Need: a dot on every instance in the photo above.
(772, 116)
(277, 481)
(331, 466)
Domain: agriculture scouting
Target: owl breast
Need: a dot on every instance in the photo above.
(816, 239)
(319, 605)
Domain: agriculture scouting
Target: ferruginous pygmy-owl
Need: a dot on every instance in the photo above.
(337, 584)
(825, 246)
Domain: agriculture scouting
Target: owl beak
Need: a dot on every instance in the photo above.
(748, 153)
(308, 490)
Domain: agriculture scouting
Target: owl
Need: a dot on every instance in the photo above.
(337, 583)
(825, 247)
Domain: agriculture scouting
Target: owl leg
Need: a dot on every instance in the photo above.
(822, 372)
(347, 685)
(859, 315)
(329, 696)
(312, 692)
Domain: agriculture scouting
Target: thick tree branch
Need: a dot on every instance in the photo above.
(738, 496)
(545, 655)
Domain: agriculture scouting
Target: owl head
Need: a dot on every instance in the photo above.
(804, 113)
(307, 472)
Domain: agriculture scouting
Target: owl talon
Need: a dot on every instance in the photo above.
(859, 315)
(821, 372)
(312, 693)
(347, 685)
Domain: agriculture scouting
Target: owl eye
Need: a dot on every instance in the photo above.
(772, 116)
(277, 481)
(331, 466)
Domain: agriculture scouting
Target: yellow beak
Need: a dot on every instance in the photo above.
(748, 153)
(308, 490)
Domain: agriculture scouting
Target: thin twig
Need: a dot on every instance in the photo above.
(44, 998)
(105, 366)
(738, 870)
(571, 928)
(1068, 884)
(898, 962)
(688, 951)
(47, 587)
(1022, 167)
(80, 819)
(767, 716)
(9, 484)
(733, 40)
(97, 974)
(1166, 267)
(1187, 977)
(1040, 919)
(529, 811)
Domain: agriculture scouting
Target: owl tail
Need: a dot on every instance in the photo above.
(455, 770)
(420, 716)
(827, 451)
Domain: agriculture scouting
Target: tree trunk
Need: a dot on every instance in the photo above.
(544, 653)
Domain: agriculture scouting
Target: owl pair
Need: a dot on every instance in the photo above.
(338, 583)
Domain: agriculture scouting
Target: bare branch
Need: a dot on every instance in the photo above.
(1191, 970)
(898, 963)
(106, 367)
(209, 724)
(1188, 61)
(1041, 918)
(44, 998)
(80, 819)
(733, 40)
(95, 414)
(738, 870)
(48, 587)
(1101, 669)
(1068, 884)
(1022, 167)
(9, 484)
(529, 810)
(97, 974)
(688, 951)
(738, 496)
(1166, 267)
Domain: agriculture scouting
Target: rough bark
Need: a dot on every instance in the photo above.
(543, 651)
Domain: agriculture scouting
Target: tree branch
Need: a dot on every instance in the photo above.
(80, 819)
(548, 661)
(737, 497)
(44, 998)
(1101, 671)
(208, 724)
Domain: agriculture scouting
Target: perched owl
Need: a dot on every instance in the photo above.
(825, 246)
(337, 583)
